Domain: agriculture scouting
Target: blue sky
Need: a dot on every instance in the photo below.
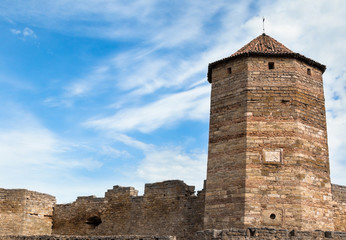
(96, 93)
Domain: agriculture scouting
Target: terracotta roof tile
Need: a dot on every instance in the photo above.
(263, 44)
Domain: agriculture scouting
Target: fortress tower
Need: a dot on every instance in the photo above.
(268, 160)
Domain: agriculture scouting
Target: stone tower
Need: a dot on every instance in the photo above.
(268, 160)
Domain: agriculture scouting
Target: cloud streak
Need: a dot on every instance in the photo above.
(192, 104)
(25, 33)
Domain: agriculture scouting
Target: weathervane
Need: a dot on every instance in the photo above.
(263, 25)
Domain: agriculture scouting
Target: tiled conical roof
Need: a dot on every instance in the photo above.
(265, 45)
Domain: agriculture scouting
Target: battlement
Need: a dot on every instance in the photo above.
(118, 191)
(172, 188)
(169, 207)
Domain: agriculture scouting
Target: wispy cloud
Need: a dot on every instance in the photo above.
(25, 33)
(173, 163)
(192, 104)
(32, 155)
(163, 163)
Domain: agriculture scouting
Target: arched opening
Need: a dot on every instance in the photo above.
(94, 221)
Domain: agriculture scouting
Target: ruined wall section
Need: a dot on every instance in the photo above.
(166, 208)
(11, 211)
(38, 213)
(339, 198)
(25, 212)
(78, 218)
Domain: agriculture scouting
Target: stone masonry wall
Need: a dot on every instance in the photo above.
(287, 170)
(11, 211)
(25, 212)
(268, 160)
(225, 185)
(57, 237)
(166, 208)
(339, 197)
(267, 234)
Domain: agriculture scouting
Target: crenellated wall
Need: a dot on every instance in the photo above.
(24, 212)
(166, 208)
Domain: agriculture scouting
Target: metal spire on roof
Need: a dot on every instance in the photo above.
(263, 26)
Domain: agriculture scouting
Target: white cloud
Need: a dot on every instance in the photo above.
(25, 33)
(27, 146)
(173, 163)
(34, 157)
(83, 86)
(113, 152)
(16, 31)
(167, 163)
(192, 104)
(132, 142)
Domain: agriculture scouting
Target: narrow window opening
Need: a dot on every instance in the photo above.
(293, 233)
(271, 65)
(328, 234)
(272, 216)
(308, 71)
(229, 70)
(252, 232)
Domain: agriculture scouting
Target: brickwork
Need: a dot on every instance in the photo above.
(169, 207)
(25, 212)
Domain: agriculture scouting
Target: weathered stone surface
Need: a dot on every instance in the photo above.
(166, 208)
(339, 197)
(266, 234)
(59, 237)
(25, 212)
(268, 155)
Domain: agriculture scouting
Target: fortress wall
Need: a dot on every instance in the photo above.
(25, 212)
(57, 237)
(266, 234)
(11, 211)
(339, 197)
(38, 213)
(72, 219)
(166, 208)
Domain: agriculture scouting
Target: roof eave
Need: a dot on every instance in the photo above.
(257, 54)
